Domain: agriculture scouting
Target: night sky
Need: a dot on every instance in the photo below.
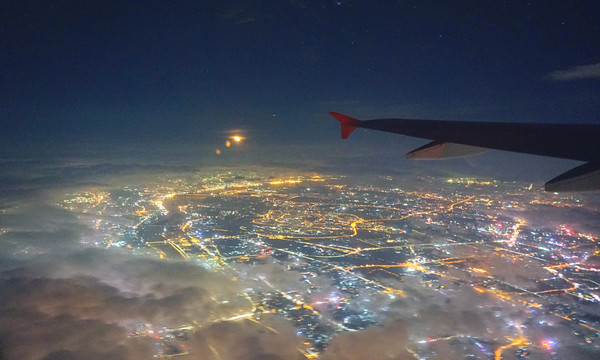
(166, 72)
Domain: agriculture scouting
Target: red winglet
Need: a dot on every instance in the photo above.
(348, 123)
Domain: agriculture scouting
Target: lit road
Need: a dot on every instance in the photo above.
(518, 342)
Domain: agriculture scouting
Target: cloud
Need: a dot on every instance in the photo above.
(32, 334)
(591, 71)
(416, 317)
(74, 311)
(34, 227)
(581, 219)
(248, 341)
(61, 299)
(83, 304)
(387, 342)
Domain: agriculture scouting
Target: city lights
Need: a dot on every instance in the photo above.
(350, 250)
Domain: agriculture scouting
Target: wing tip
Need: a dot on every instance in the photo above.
(347, 123)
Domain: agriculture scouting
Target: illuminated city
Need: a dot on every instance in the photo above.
(331, 255)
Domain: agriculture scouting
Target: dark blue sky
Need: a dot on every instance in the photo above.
(178, 72)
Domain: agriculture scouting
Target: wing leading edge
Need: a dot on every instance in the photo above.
(459, 138)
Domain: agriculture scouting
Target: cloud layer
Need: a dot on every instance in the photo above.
(591, 71)
(62, 299)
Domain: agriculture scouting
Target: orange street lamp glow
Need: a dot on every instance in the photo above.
(237, 138)
(228, 143)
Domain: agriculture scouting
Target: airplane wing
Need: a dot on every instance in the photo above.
(458, 138)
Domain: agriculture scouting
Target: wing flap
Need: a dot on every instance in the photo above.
(585, 177)
(443, 150)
